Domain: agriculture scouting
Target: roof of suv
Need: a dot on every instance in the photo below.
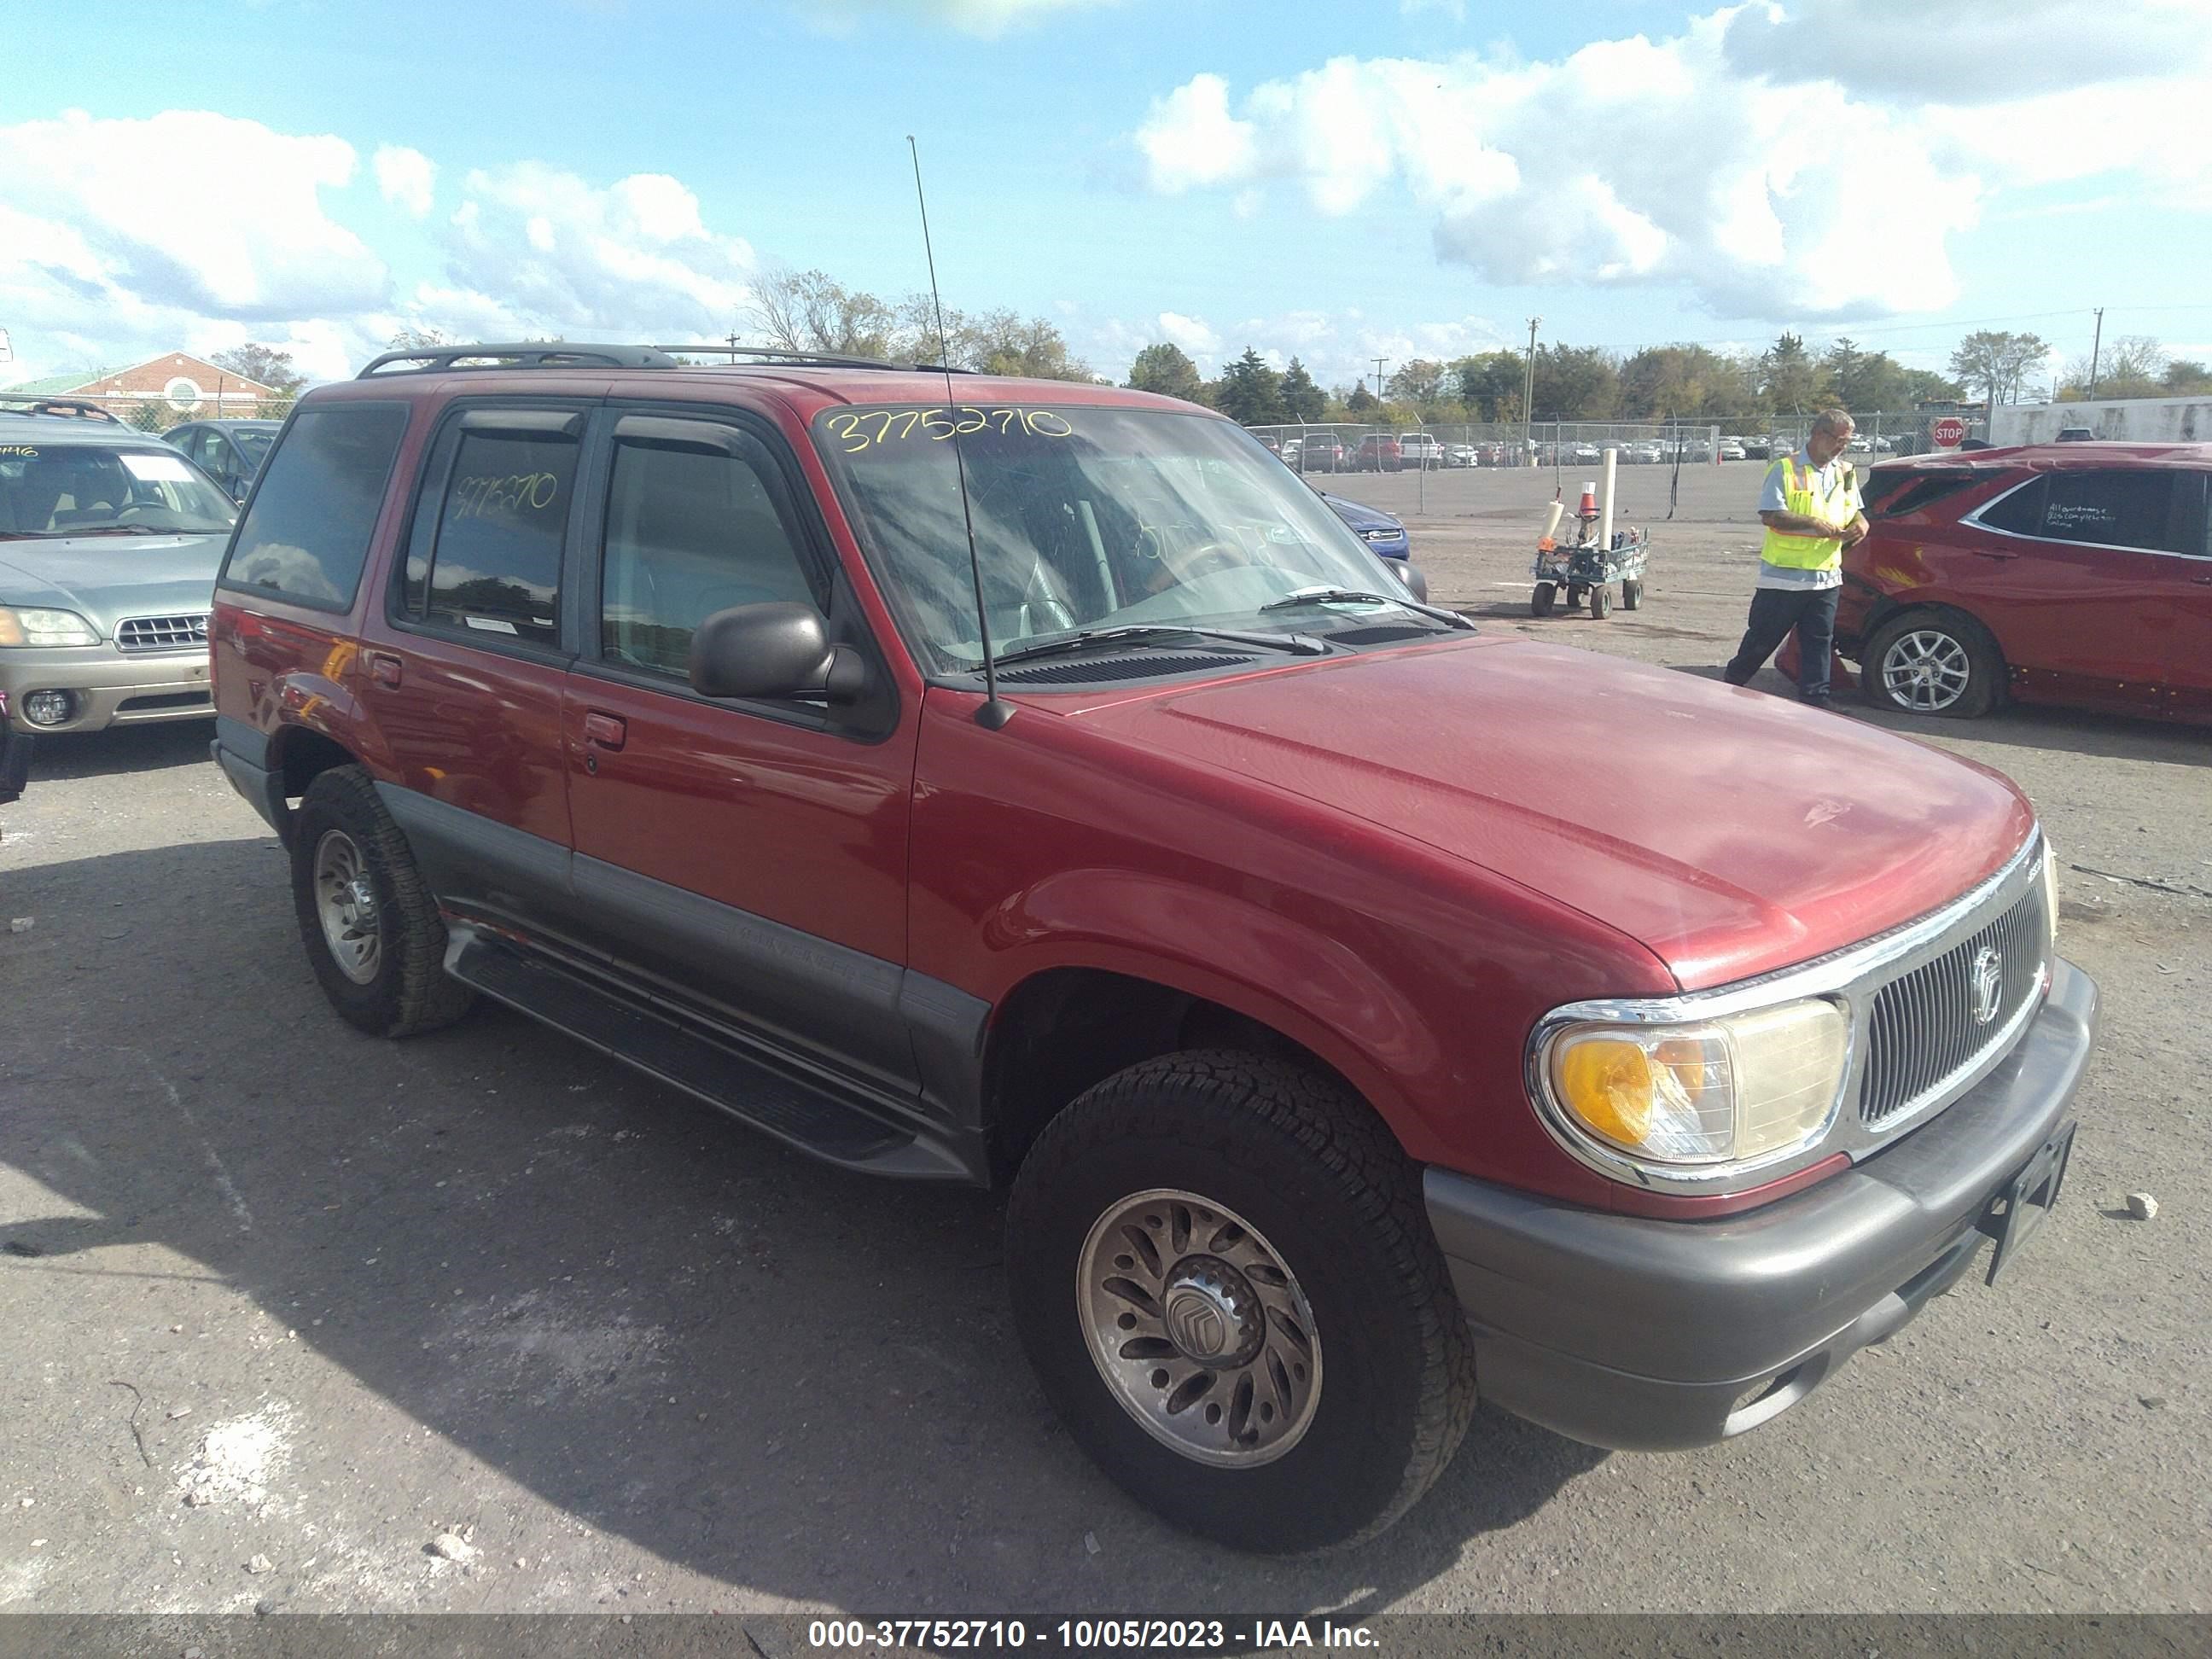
(806, 383)
(2064, 455)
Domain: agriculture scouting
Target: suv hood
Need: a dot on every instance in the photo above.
(107, 578)
(1730, 832)
(1357, 516)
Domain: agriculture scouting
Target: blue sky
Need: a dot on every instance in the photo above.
(1337, 180)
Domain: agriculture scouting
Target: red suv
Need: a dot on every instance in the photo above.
(993, 781)
(1379, 452)
(2074, 573)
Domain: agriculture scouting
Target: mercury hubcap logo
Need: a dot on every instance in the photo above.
(1197, 1323)
(1989, 984)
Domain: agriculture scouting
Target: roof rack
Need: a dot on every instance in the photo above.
(75, 408)
(815, 359)
(557, 354)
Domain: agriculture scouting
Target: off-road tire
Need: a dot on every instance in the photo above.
(1631, 594)
(1600, 604)
(1986, 666)
(1311, 1168)
(411, 991)
(1541, 602)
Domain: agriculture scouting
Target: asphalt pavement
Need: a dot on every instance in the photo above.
(281, 1307)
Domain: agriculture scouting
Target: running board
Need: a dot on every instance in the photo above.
(661, 1042)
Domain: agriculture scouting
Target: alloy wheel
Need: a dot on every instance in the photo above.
(1926, 670)
(1198, 1328)
(345, 901)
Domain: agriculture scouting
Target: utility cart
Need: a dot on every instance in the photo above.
(1583, 566)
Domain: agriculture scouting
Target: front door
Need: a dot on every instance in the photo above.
(752, 855)
(2072, 573)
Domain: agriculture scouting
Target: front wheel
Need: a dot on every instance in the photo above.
(1631, 594)
(1540, 601)
(1929, 662)
(1223, 1273)
(1601, 603)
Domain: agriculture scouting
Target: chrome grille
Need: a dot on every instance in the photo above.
(162, 633)
(1924, 1031)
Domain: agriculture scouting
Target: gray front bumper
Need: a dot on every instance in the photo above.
(1650, 1335)
(160, 685)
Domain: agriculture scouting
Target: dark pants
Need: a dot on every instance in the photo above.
(1774, 612)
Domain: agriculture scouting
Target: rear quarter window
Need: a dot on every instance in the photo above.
(1894, 496)
(306, 533)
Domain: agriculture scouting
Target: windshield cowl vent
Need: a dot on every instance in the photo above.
(1150, 665)
(1382, 635)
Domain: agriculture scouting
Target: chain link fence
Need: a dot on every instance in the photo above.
(1351, 446)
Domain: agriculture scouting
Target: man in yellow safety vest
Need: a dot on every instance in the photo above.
(1812, 511)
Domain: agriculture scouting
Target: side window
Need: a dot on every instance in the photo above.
(2020, 512)
(307, 535)
(491, 561)
(693, 526)
(194, 444)
(2117, 509)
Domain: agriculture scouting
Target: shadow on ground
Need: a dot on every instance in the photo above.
(120, 748)
(790, 1379)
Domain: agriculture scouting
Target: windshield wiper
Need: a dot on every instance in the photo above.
(1359, 596)
(1296, 644)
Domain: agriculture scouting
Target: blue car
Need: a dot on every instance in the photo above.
(1383, 535)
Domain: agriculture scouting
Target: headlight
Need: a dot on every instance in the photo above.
(22, 626)
(1747, 1088)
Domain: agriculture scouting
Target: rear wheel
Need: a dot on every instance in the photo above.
(1223, 1273)
(371, 927)
(1631, 595)
(1933, 662)
(1540, 601)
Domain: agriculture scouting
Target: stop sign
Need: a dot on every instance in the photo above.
(1949, 433)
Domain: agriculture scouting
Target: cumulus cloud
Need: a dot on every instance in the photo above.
(1717, 158)
(406, 177)
(117, 237)
(536, 249)
(117, 242)
(1188, 332)
(985, 18)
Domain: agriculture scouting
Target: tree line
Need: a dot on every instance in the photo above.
(1570, 383)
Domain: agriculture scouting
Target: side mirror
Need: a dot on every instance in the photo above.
(1410, 574)
(777, 650)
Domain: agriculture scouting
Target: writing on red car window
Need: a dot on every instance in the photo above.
(2076, 515)
(18, 449)
(861, 430)
(506, 494)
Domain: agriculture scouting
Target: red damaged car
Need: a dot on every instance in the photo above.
(2073, 573)
(1002, 781)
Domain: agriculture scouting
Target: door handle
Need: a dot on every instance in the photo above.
(1984, 553)
(2201, 582)
(605, 730)
(383, 669)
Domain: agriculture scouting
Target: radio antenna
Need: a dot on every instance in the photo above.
(994, 713)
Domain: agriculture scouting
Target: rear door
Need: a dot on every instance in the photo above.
(2073, 572)
(750, 855)
(464, 661)
(2189, 655)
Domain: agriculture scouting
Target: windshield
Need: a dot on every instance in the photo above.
(1088, 518)
(85, 489)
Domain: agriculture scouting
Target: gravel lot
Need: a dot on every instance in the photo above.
(280, 1304)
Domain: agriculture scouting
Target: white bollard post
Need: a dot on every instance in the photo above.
(1605, 502)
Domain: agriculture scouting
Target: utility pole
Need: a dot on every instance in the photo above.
(1379, 362)
(1528, 397)
(2095, 346)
